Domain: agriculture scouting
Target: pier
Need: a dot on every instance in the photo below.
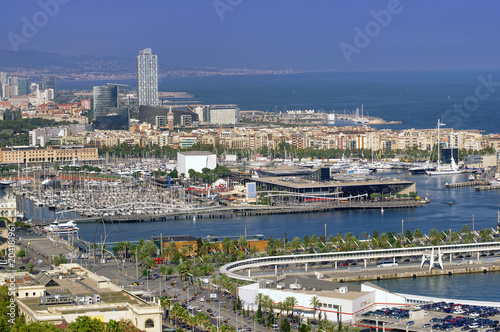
(466, 184)
(486, 188)
(249, 210)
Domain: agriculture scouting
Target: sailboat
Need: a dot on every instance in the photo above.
(445, 170)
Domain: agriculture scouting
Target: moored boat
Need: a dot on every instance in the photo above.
(62, 228)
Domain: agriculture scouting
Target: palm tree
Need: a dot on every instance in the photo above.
(120, 246)
(315, 304)
(259, 299)
(417, 234)
(290, 303)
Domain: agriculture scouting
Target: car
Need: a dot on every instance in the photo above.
(193, 298)
(202, 299)
(410, 322)
(248, 329)
(209, 310)
(426, 326)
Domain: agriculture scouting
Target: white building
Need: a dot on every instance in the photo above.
(147, 78)
(223, 115)
(340, 303)
(69, 291)
(8, 207)
(196, 160)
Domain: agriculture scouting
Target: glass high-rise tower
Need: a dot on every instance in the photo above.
(107, 114)
(50, 82)
(105, 98)
(147, 78)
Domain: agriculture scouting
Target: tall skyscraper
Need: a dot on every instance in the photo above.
(147, 78)
(23, 86)
(50, 82)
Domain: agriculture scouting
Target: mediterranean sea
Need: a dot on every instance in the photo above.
(417, 98)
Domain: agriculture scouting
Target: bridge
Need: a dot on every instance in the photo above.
(433, 254)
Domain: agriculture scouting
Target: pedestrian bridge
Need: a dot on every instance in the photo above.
(432, 254)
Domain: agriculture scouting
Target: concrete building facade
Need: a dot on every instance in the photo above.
(63, 294)
(52, 153)
(196, 160)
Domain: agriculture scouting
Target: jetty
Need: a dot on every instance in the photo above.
(465, 184)
(249, 210)
(486, 188)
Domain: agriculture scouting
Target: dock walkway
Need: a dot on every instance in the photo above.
(465, 184)
(486, 188)
(250, 210)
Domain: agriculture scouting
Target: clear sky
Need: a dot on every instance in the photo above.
(270, 34)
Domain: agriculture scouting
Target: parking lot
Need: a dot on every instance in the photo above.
(437, 316)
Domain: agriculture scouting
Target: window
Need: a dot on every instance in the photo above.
(149, 324)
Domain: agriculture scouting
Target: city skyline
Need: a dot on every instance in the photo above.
(365, 35)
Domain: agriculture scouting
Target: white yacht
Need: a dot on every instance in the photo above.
(62, 228)
(422, 168)
(447, 170)
(358, 170)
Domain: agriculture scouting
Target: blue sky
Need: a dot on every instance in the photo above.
(274, 34)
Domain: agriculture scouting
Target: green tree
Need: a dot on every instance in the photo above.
(285, 325)
(86, 324)
(59, 259)
(315, 304)
(304, 328)
(34, 327)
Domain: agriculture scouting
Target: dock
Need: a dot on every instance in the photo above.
(250, 210)
(487, 188)
(465, 184)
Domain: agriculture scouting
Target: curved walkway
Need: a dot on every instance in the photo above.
(432, 253)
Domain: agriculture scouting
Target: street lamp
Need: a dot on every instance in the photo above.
(218, 316)
(237, 314)
(147, 282)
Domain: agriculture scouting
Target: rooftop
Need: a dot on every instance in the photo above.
(197, 153)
